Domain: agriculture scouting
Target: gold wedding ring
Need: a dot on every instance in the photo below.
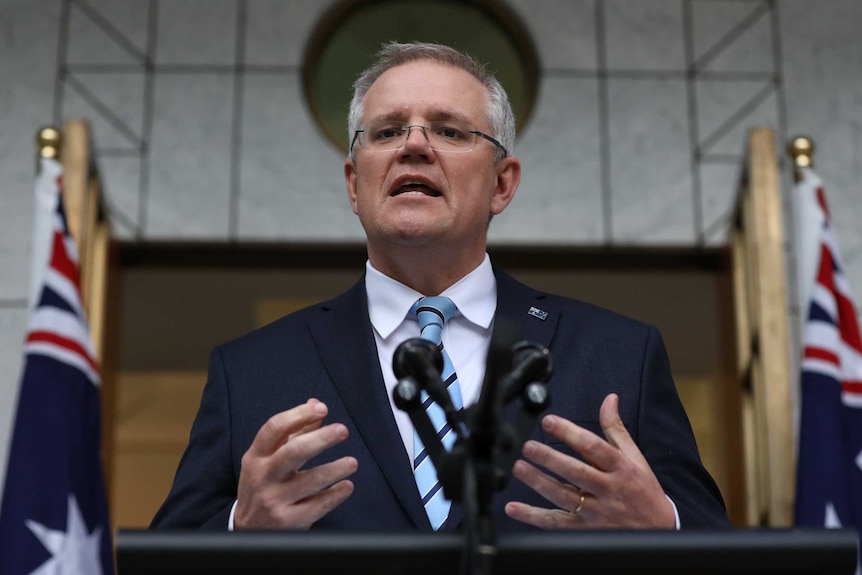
(577, 509)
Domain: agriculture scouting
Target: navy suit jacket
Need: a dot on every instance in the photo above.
(327, 351)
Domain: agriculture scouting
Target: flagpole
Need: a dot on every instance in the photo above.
(801, 150)
(806, 240)
(49, 142)
(807, 223)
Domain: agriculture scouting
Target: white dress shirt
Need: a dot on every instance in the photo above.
(466, 336)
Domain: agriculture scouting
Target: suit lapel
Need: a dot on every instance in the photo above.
(345, 341)
(521, 308)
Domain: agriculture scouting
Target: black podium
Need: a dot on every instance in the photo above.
(755, 551)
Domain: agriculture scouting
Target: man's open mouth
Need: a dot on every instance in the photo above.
(415, 188)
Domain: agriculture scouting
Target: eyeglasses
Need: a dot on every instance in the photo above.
(445, 136)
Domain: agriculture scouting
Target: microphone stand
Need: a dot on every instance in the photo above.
(481, 459)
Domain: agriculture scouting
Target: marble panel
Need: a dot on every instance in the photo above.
(277, 31)
(714, 21)
(644, 35)
(13, 324)
(564, 31)
(190, 157)
(751, 51)
(717, 237)
(560, 196)
(108, 32)
(197, 32)
(292, 178)
(16, 237)
(718, 192)
(730, 35)
(28, 36)
(728, 110)
(113, 104)
(650, 162)
(720, 101)
(121, 183)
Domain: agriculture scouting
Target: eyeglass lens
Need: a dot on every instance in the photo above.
(442, 136)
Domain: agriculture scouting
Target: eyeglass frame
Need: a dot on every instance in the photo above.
(425, 134)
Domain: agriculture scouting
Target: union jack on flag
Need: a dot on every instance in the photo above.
(829, 474)
(54, 515)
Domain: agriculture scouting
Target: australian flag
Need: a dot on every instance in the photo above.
(829, 478)
(54, 516)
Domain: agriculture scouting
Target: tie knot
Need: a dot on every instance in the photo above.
(432, 312)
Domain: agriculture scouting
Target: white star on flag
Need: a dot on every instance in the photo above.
(832, 521)
(74, 552)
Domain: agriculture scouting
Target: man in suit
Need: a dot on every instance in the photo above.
(297, 428)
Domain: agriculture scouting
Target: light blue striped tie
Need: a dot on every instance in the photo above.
(432, 313)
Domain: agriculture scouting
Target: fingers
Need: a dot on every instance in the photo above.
(317, 491)
(297, 515)
(593, 448)
(313, 508)
(563, 495)
(308, 482)
(310, 427)
(296, 451)
(274, 491)
(613, 487)
(542, 518)
(280, 426)
(614, 429)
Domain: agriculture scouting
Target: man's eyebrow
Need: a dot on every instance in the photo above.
(433, 116)
(391, 117)
(448, 115)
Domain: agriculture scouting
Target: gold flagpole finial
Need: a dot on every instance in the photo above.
(49, 141)
(801, 150)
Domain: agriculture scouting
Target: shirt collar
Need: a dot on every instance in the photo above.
(389, 300)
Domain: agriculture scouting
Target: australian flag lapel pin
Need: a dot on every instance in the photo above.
(536, 312)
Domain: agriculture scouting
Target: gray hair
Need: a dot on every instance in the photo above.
(498, 112)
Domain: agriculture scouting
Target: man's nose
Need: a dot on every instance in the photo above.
(416, 141)
(416, 131)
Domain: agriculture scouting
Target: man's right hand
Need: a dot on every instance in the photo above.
(273, 491)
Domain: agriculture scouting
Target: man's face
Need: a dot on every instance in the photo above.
(416, 196)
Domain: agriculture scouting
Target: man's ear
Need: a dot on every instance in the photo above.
(350, 179)
(508, 178)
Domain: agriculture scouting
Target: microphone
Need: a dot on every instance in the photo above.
(489, 409)
(421, 360)
(531, 362)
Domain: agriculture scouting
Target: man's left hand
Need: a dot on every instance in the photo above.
(615, 488)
